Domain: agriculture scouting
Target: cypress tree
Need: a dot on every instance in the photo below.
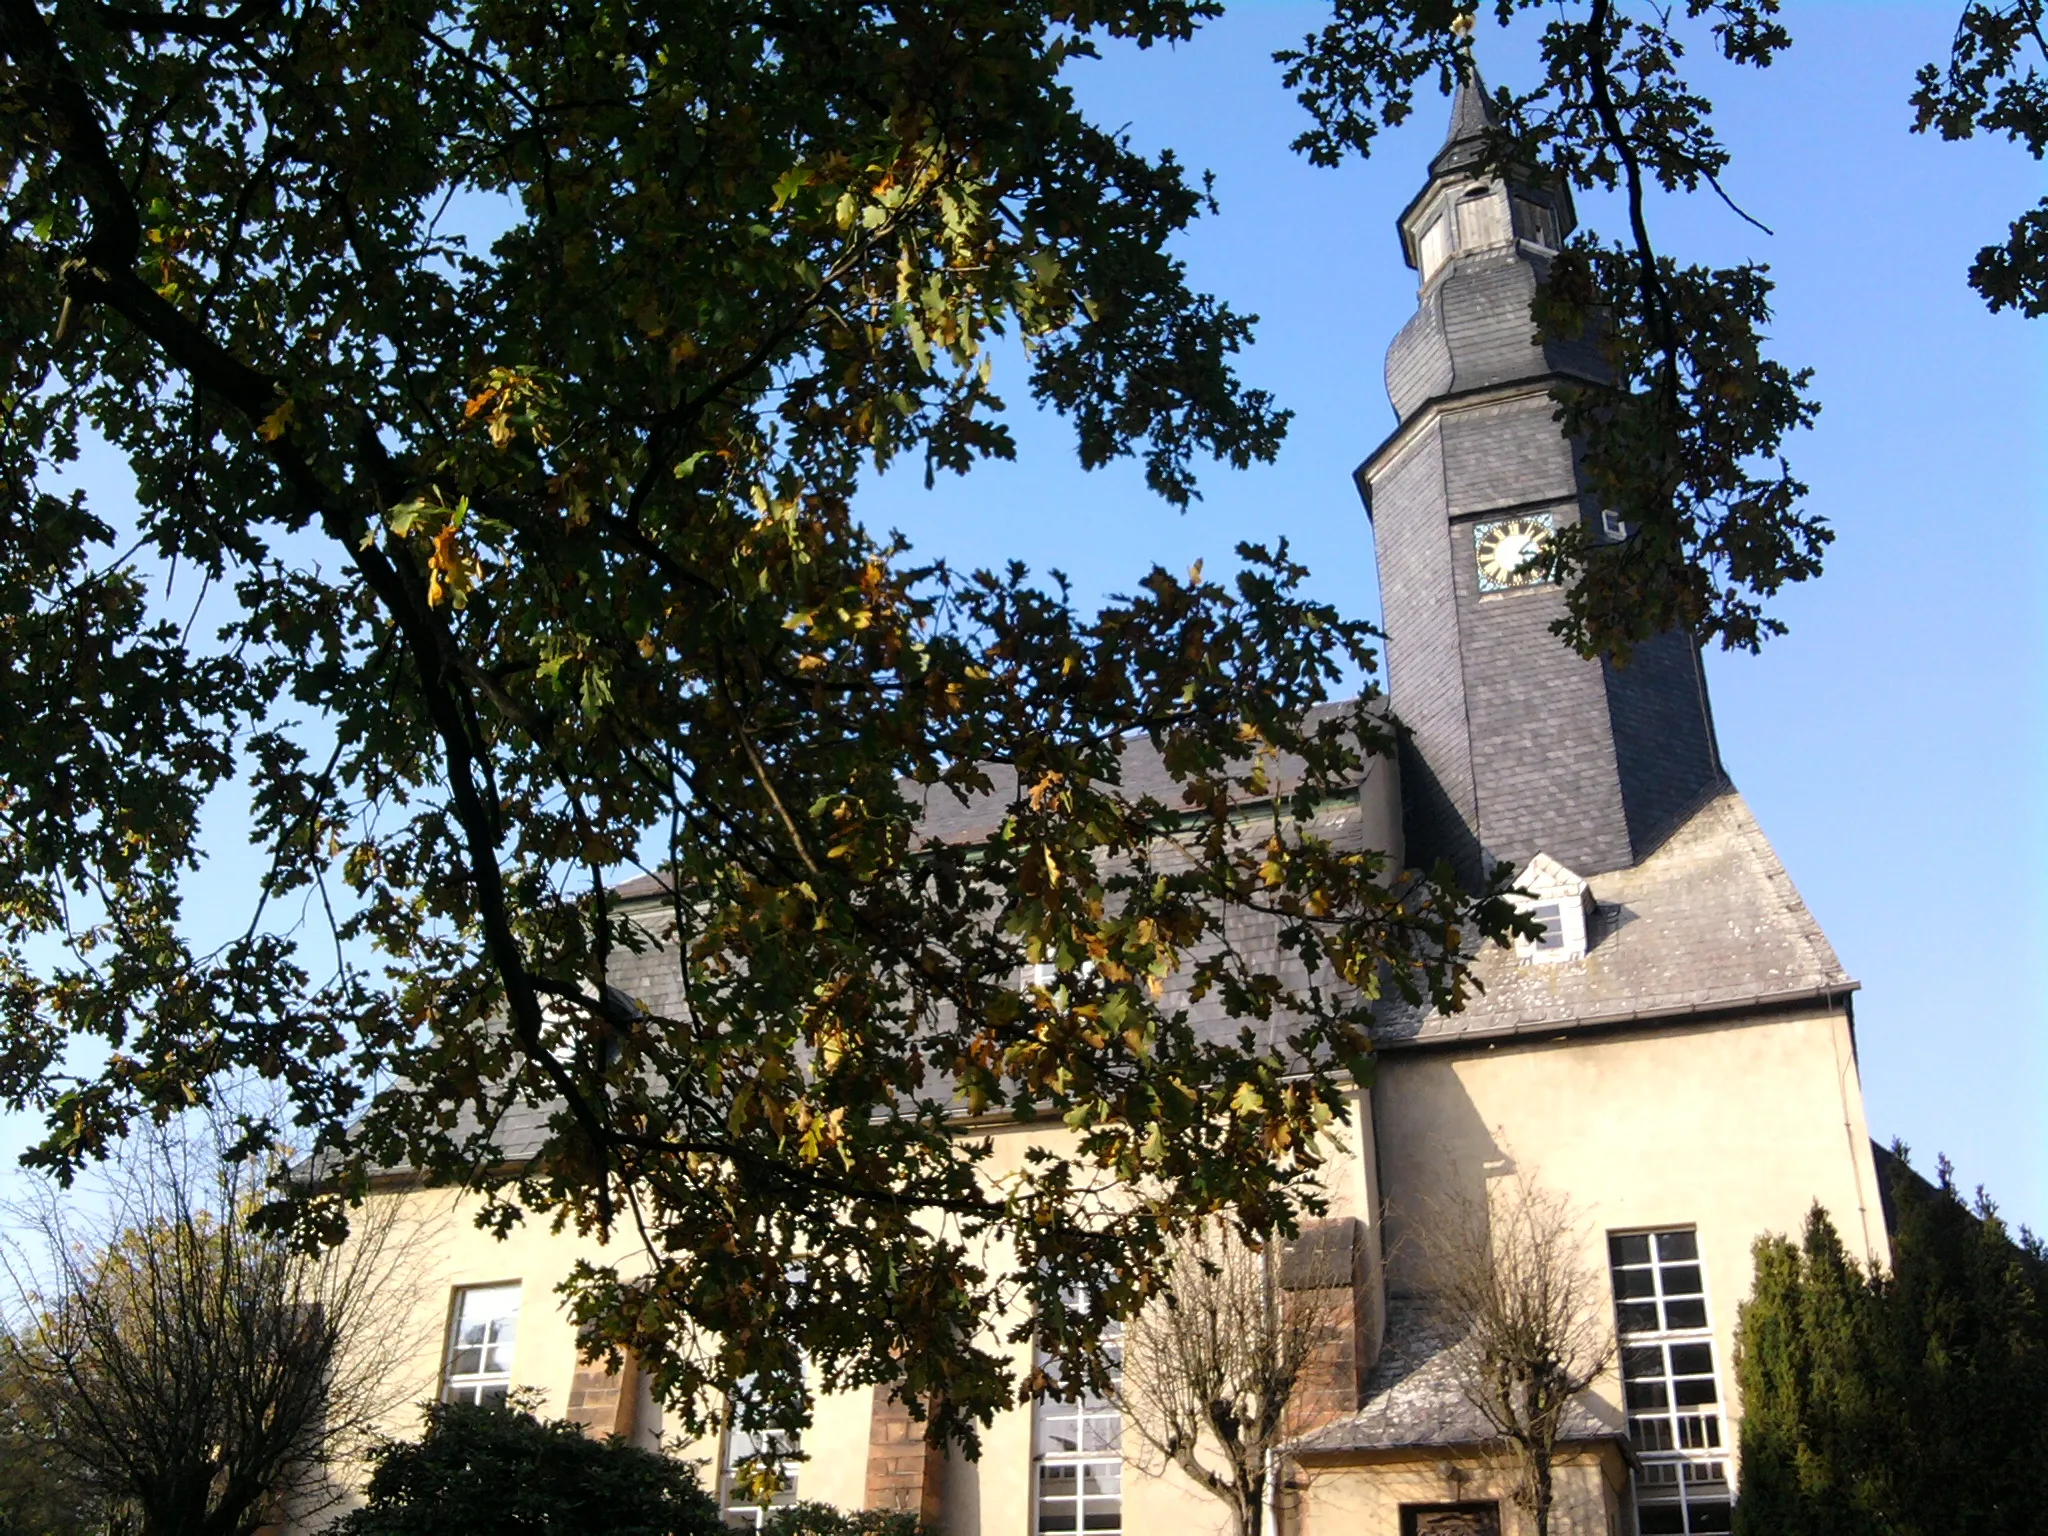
(1909, 1401)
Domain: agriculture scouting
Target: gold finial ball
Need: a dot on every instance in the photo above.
(1463, 25)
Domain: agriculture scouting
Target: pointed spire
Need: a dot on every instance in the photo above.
(1471, 119)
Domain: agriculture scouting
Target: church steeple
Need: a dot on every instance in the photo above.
(1518, 746)
(1471, 118)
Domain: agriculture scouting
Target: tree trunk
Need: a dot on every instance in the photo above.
(1539, 1476)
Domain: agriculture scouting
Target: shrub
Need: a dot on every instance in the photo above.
(503, 1470)
(813, 1519)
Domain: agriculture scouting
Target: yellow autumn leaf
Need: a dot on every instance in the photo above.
(277, 423)
(450, 571)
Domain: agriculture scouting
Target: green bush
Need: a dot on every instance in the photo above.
(503, 1470)
(1911, 1401)
(812, 1519)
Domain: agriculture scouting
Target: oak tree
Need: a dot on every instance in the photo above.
(526, 560)
(507, 561)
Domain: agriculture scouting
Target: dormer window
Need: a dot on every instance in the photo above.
(1563, 904)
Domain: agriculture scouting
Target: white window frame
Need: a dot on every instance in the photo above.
(1078, 1441)
(1681, 1446)
(739, 1444)
(489, 1380)
(1562, 903)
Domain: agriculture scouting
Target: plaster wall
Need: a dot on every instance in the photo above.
(987, 1497)
(1368, 1497)
(1735, 1130)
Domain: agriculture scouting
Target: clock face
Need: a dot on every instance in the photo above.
(1501, 547)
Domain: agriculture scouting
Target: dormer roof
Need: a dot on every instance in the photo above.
(1707, 924)
(1544, 879)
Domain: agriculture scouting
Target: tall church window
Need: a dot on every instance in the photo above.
(742, 1508)
(1078, 1455)
(1671, 1388)
(485, 1326)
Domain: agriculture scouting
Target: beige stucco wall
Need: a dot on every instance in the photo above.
(1733, 1129)
(1590, 1489)
(438, 1250)
(988, 1497)
(992, 1497)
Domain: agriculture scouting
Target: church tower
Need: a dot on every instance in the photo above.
(1519, 746)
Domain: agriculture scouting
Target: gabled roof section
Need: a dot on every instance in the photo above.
(1708, 922)
(1544, 879)
(1414, 1401)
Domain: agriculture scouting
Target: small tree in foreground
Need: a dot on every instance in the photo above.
(504, 1470)
(1907, 1402)
(193, 1374)
(1210, 1367)
(1529, 1316)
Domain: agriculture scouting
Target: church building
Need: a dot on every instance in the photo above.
(1676, 1055)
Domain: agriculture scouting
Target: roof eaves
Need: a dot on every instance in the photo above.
(1704, 1012)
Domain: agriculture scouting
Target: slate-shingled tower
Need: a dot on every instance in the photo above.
(1519, 746)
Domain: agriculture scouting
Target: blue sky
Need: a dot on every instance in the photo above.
(1891, 744)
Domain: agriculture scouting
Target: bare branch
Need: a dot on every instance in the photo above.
(1512, 1286)
(205, 1373)
(1210, 1368)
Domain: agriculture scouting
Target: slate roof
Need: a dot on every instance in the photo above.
(650, 977)
(1471, 117)
(1708, 922)
(1413, 1400)
(948, 818)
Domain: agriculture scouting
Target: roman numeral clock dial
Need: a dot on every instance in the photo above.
(1501, 549)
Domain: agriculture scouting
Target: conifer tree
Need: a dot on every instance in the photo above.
(1906, 1401)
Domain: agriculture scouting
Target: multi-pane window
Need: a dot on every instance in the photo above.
(742, 1508)
(1668, 1379)
(480, 1345)
(1079, 1456)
